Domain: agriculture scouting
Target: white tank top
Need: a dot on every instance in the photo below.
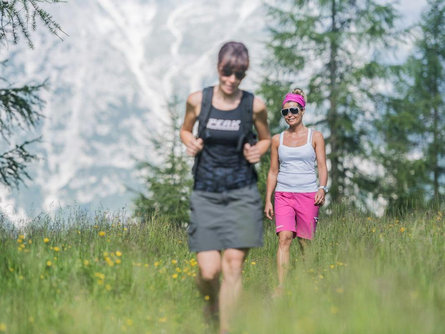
(297, 167)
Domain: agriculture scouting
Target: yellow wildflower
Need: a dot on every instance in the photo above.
(175, 276)
(174, 261)
(49, 263)
(109, 261)
(99, 275)
(118, 261)
(86, 262)
(102, 233)
(402, 229)
(108, 287)
(2, 327)
(118, 253)
(56, 249)
(253, 263)
(207, 298)
(45, 240)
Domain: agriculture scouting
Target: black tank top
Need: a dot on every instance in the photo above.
(221, 166)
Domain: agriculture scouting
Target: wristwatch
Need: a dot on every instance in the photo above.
(326, 189)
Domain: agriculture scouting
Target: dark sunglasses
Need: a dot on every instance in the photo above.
(238, 74)
(293, 111)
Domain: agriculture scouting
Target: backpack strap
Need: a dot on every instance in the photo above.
(203, 118)
(247, 134)
(206, 105)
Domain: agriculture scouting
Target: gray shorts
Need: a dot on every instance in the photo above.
(231, 219)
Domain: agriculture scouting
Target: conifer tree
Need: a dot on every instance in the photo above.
(413, 124)
(168, 181)
(20, 107)
(331, 47)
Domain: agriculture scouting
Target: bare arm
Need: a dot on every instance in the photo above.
(192, 110)
(272, 176)
(254, 153)
(320, 152)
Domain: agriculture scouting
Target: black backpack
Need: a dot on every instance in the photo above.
(247, 135)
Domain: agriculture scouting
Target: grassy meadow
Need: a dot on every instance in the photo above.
(91, 273)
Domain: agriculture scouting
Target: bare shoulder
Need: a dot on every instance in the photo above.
(276, 140)
(317, 135)
(317, 139)
(258, 105)
(194, 102)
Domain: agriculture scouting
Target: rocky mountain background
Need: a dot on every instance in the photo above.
(110, 81)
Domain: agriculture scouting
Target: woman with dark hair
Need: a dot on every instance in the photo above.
(226, 209)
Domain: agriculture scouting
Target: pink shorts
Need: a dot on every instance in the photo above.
(296, 212)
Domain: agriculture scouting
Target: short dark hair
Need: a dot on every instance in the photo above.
(234, 55)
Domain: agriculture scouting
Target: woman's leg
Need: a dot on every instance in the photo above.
(284, 242)
(209, 263)
(304, 243)
(232, 266)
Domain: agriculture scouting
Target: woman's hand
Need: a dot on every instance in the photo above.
(319, 197)
(194, 146)
(268, 210)
(251, 153)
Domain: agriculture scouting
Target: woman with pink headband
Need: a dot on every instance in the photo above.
(292, 176)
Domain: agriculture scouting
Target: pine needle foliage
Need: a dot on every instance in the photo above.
(413, 124)
(19, 17)
(20, 106)
(331, 49)
(169, 180)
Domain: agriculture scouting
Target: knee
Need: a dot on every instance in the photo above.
(233, 267)
(209, 273)
(285, 240)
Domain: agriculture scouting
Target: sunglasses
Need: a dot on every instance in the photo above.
(293, 111)
(238, 74)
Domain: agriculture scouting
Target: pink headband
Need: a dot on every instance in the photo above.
(294, 98)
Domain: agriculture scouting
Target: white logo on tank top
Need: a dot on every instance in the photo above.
(223, 124)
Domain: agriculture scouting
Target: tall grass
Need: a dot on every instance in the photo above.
(95, 274)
